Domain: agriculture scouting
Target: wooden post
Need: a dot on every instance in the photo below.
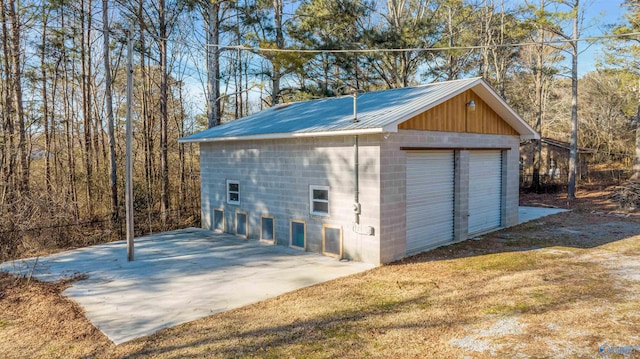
(129, 162)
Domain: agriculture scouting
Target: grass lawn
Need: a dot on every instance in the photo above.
(563, 286)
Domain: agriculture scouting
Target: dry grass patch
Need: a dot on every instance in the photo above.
(36, 321)
(589, 197)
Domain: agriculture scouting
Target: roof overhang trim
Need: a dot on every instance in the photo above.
(284, 135)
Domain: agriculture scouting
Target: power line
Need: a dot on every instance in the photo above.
(475, 47)
(192, 45)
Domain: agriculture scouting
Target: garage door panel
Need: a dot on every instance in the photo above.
(485, 190)
(422, 202)
(433, 220)
(430, 191)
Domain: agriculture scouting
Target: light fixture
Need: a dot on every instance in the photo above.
(471, 105)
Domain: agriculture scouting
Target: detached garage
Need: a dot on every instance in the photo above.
(375, 179)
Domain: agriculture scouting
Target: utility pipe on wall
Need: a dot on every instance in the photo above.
(356, 164)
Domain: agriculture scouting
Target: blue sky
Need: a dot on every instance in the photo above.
(599, 14)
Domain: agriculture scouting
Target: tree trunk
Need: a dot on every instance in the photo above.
(56, 73)
(147, 120)
(181, 153)
(487, 37)
(451, 73)
(164, 164)
(238, 71)
(501, 71)
(113, 178)
(275, 79)
(86, 111)
(636, 154)
(213, 63)
(7, 115)
(93, 113)
(72, 192)
(537, 156)
(573, 148)
(241, 66)
(17, 95)
(45, 103)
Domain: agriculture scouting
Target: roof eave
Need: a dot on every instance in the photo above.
(534, 136)
(285, 135)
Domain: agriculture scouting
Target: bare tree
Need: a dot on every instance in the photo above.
(113, 178)
(85, 60)
(213, 62)
(13, 55)
(573, 152)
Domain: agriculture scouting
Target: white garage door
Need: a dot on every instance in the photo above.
(485, 190)
(430, 190)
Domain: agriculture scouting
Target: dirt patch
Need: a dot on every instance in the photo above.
(588, 198)
(626, 269)
(485, 340)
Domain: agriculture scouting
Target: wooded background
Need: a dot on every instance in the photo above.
(63, 77)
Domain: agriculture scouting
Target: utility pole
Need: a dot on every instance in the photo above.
(129, 162)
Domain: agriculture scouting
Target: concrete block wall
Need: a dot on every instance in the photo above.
(393, 182)
(461, 198)
(275, 176)
(510, 186)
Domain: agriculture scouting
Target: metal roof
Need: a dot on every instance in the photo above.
(565, 145)
(377, 112)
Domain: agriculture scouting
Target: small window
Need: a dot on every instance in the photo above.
(233, 192)
(268, 229)
(319, 200)
(218, 220)
(332, 240)
(298, 233)
(241, 224)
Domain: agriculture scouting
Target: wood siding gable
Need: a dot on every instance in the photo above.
(454, 116)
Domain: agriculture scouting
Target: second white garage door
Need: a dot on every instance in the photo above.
(485, 190)
(430, 194)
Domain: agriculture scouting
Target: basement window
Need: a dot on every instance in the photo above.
(242, 229)
(233, 192)
(218, 220)
(268, 229)
(332, 240)
(298, 233)
(319, 200)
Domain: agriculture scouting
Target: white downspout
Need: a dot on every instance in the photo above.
(356, 165)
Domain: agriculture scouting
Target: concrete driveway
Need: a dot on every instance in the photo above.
(526, 214)
(178, 277)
